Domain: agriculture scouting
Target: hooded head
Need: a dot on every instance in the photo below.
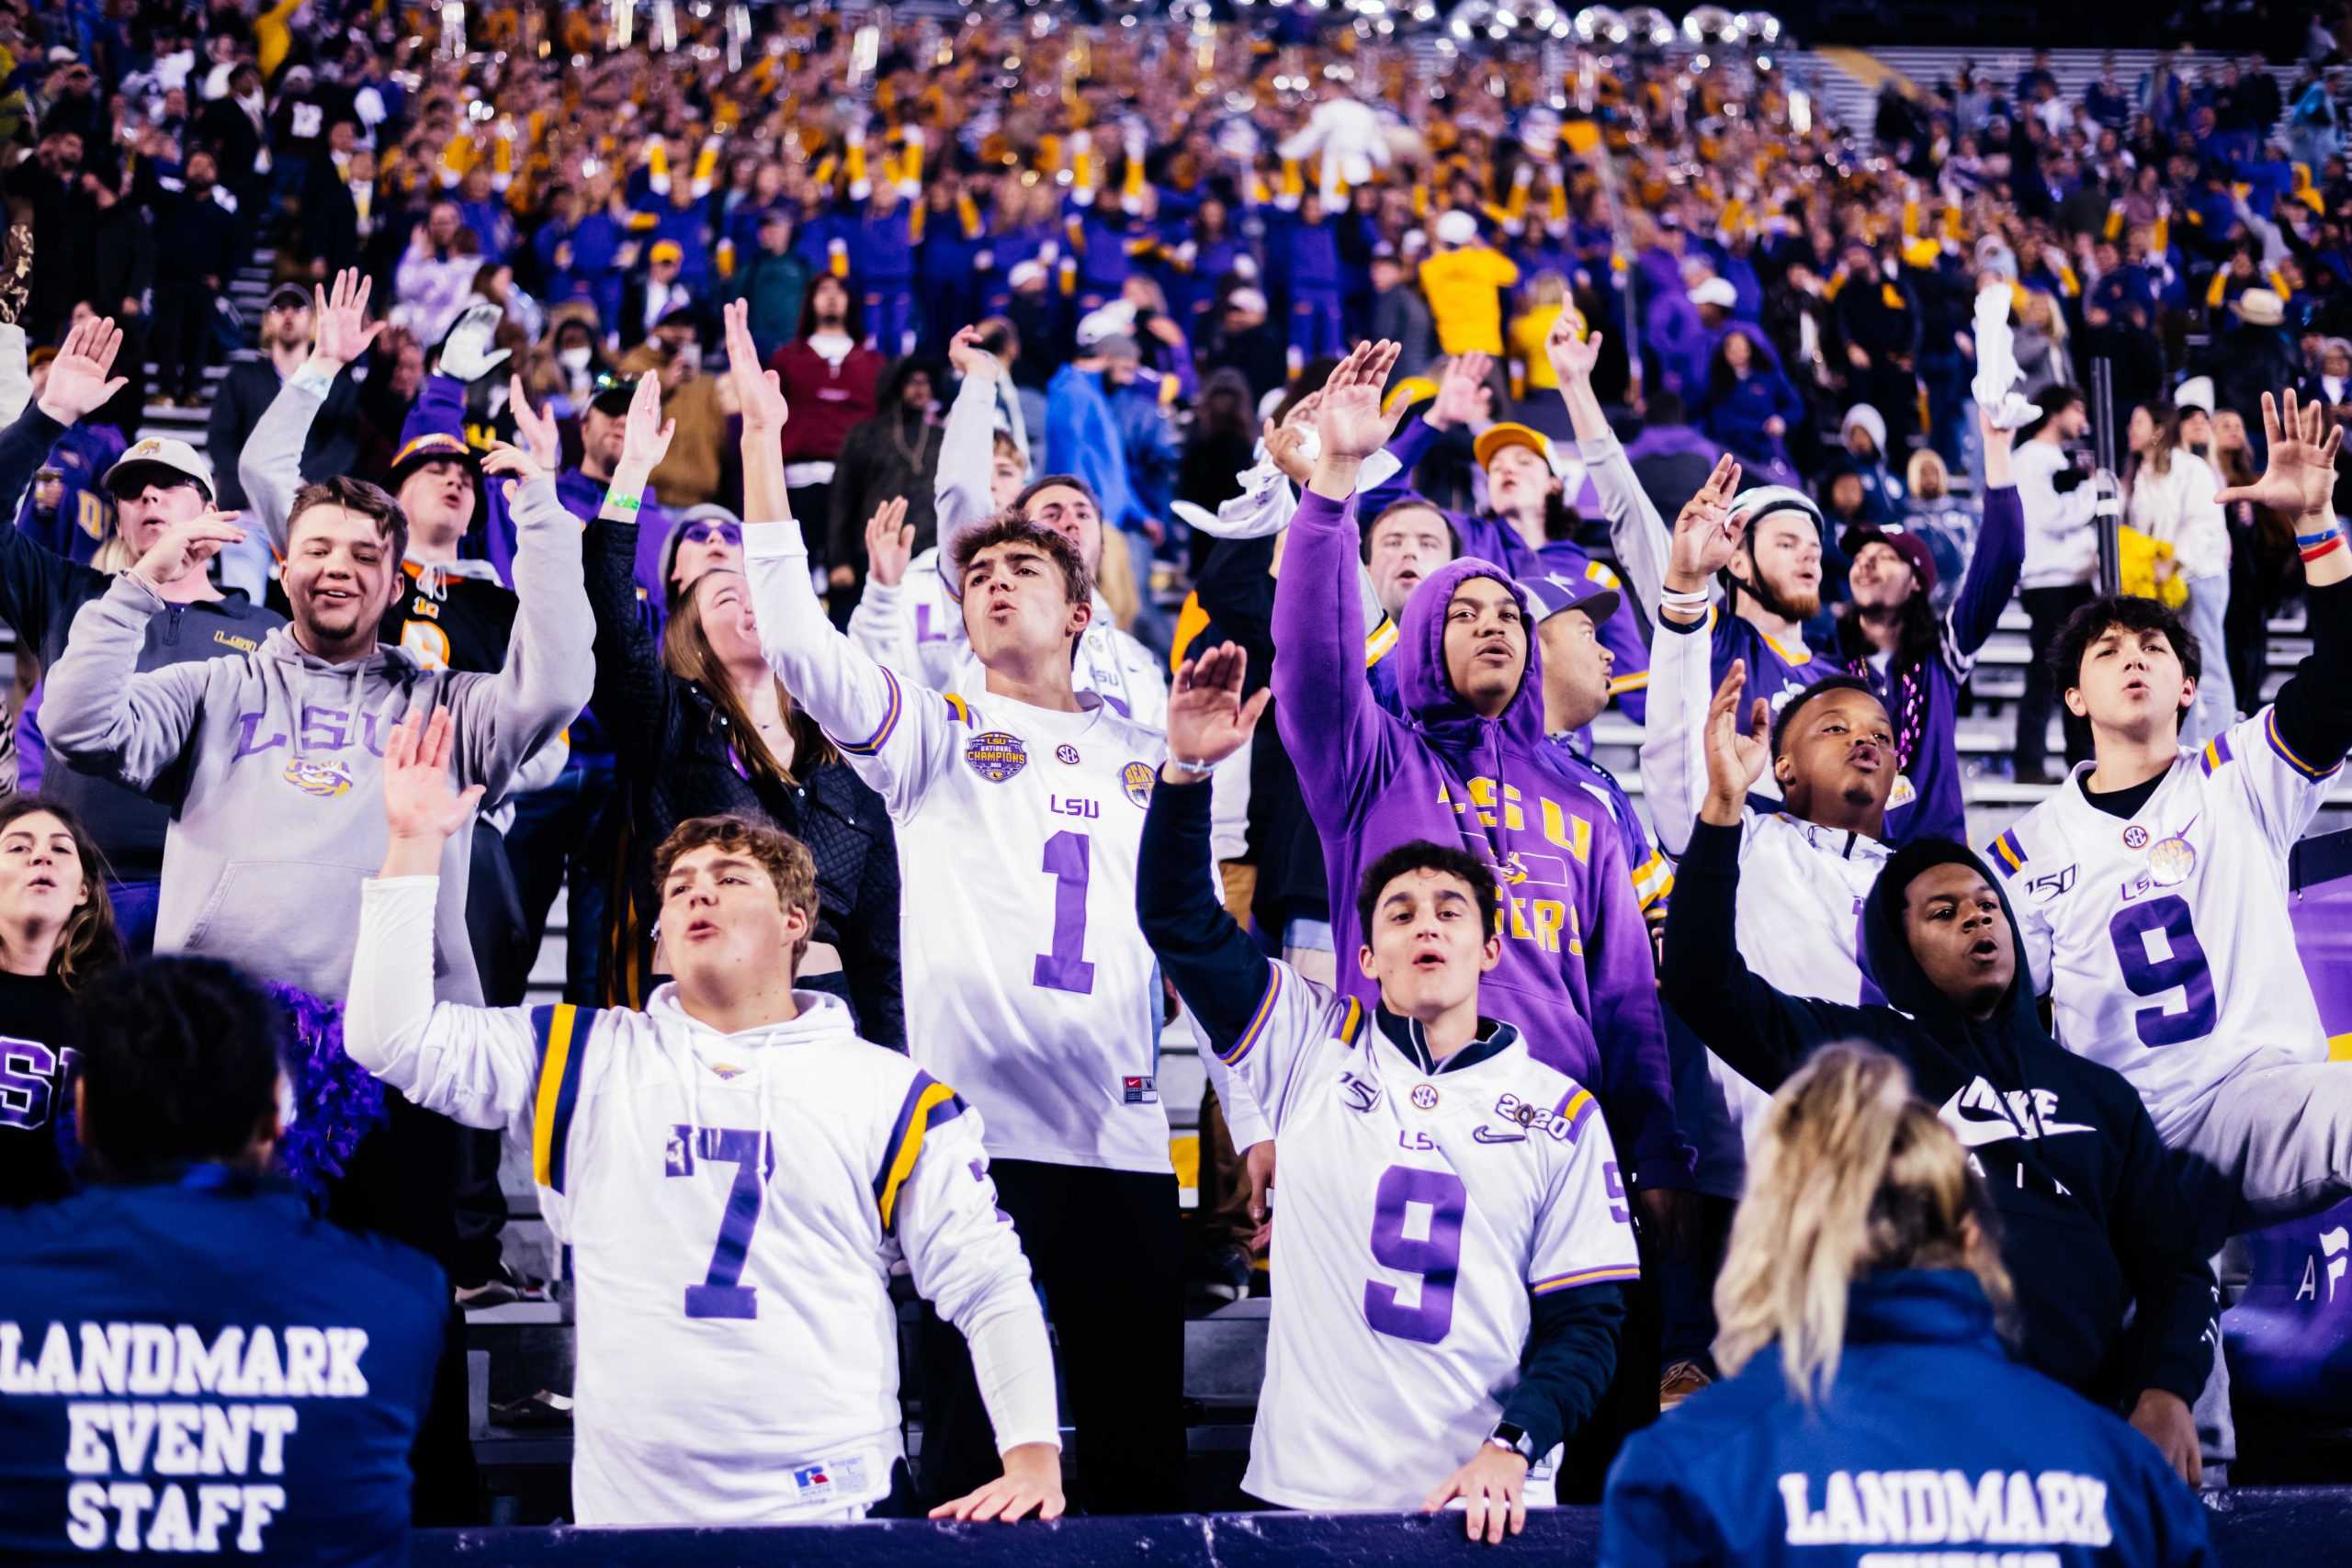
(1939, 939)
(1443, 646)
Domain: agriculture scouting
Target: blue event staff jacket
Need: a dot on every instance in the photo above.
(1931, 1447)
(200, 1365)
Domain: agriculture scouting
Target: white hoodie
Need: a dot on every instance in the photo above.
(735, 1206)
(2060, 546)
(2178, 506)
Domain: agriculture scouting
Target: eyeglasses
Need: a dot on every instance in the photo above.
(708, 532)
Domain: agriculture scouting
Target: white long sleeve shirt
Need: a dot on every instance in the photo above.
(735, 1204)
(2178, 506)
(2060, 546)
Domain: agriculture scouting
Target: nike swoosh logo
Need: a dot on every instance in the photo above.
(1481, 1134)
(1974, 1130)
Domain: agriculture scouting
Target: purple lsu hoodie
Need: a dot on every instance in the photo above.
(1576, 975)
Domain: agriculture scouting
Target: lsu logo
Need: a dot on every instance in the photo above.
(996, 755)
(1136, 779)
(325, 779)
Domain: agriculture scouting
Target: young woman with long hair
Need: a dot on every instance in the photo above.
(57, 939)
(1867, 1396)
(702, 728)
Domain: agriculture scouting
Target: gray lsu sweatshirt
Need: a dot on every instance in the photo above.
(272, 762)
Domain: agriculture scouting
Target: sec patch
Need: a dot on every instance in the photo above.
(996, 755)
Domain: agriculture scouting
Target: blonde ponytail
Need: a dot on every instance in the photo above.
(1853, 1174)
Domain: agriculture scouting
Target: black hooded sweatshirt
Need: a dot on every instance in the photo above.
(2089, 1211)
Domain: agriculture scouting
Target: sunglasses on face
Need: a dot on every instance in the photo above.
(708, 532)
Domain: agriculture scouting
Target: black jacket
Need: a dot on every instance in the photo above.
(674, 761)
(2090, 1216)
(244, 395)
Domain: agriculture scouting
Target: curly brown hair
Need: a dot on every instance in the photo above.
(88, 946)
(784, 858)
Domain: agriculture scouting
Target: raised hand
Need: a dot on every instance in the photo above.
(1460, 392)
(2301, 478)
(1302, 412)
(1735, 759)
(78, 382)
(420, 804)
(645, 437)
(964, 352)
(1207, 720)
(343, 333)
(1706, 536)
(759, 396)
(890, 543)
(506, 457)
(1350, 422)
(540, 438)
(1572, 352)
(466, 353)
(1287, 449)
(185, 546)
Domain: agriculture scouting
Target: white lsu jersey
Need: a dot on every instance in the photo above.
(917, 629)
(1419, 1212)
(2164, 942)
(1802, 887)
(1799, 925)
(1032, 989)
(735, 1205)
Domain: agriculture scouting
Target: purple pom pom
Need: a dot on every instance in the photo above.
(336, 1101)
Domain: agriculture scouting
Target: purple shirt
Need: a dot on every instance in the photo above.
(1575, 974)
(1932, 761)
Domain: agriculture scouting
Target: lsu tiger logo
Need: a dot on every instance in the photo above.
(1136, 779)
(325, 779)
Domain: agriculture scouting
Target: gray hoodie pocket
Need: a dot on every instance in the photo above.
(292, 920)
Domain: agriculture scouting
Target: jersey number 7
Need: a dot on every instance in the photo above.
(719, 1295)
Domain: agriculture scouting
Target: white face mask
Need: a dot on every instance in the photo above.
(575, 359)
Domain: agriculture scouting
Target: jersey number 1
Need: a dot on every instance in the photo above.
(1069, 862)
(720, 1294)
(1434, 1255)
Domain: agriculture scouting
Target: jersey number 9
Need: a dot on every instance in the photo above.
(2183, 967)
(1434, 1255)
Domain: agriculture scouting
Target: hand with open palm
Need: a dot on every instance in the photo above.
(2301, 478)
(1208, 717)
(1735, 756)
(1351, 425)
(343, 332)
(80, 382)
(759, 395)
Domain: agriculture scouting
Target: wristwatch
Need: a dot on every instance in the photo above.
(1513, 1439)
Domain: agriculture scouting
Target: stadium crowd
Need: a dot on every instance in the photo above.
(834, 504)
